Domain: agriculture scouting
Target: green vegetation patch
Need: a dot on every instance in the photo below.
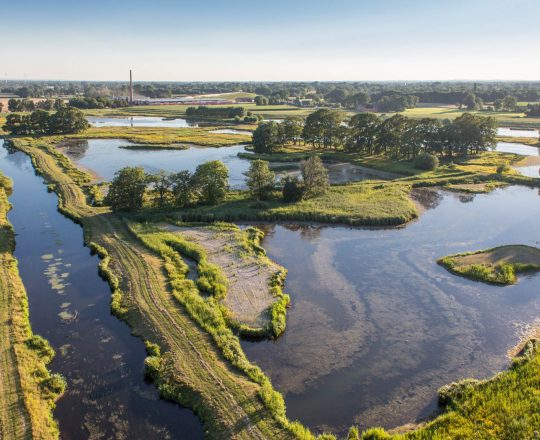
(498, 265)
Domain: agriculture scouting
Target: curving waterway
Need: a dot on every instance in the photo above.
(107, 396)
(376, 326)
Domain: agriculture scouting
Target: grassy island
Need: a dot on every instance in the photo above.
(498, 265)
(28, 390)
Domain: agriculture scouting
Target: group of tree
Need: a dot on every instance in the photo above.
(203, 111)
(131, 185)
(65, 120)
(508, 103)
(396, 103)
(533, 110)
(398, 137)
(97, 102)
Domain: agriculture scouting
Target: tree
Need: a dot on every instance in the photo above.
(472, 102)
(292, 128)
(182, 188)
(126, 192)
(509, 103)
(315, 177)
(293, 189)
(211, 182)
(261, 100)
(161, 188)
(323, 128)
(363, 133)
(260, 179)
(68, 120)
(267, 137)
(427, 162)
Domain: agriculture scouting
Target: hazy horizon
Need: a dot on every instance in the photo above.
(282, 41)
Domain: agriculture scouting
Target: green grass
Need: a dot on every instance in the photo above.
(357, 204)
(498, 265)
(165, 136)
(451, 112)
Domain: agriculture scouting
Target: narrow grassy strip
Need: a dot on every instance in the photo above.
(498, 265)
(167, 136)
(28, 390)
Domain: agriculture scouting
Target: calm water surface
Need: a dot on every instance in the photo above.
(516, 132)
(138, 121)
(376, 326)
(69, 305)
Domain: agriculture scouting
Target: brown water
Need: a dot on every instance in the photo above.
(376, 326)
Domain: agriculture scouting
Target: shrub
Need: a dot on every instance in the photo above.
(426, 161)
(503, 168)
(315, 177)
(293, 189)
(260, 179)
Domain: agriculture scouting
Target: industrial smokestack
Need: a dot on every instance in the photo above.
(130, 87)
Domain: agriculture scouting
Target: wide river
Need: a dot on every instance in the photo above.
(107, 396)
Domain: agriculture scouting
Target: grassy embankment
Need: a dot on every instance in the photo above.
(243, 284)
(28, 391)
(534, 142)
(498, 265)
(153, 137)
(195, 357)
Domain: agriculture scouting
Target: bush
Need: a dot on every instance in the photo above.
(427, 162)
(293, 189)
(503, 168)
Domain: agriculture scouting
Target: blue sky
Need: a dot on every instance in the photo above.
(271, 40)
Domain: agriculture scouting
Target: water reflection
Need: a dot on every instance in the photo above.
(139, 121)
(376, 326)
(69, 305)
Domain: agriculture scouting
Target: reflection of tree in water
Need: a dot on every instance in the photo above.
(428, 198)
(466, 198)
(74, 148)
(308, 232)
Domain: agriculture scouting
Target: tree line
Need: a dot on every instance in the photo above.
(397, 137)
(65, 120)
(98, 102)
(132, 187)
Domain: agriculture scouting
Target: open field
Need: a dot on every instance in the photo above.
(512, 119)
(27, 389)
(166, 136)
(499, 265)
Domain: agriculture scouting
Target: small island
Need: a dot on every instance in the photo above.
(499, 265)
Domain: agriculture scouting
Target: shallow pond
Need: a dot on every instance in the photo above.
(105, 156)
(231, 131)
(521, 149)
(376, 326)
(139, 121)
(107, 396)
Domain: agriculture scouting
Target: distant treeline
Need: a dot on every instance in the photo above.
(99, 102)
(66, 120)
(215, 112)
(398, 137)
(334, 92)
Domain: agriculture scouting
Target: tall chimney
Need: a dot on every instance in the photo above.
(130, 87)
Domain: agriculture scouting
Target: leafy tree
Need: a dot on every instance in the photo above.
(353, 433)
(509, 103)
(182, 188)
(315, 177)
(68, 120)
(323, 128)
(293, 189)
(261, 100)
(363, 133)
(211, 182)
(161, 186)
(126, 192)
(260, 179)
(267, 137)
(292, 128)
(426, 161)
(472, 102)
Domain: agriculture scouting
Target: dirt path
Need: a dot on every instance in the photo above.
(249, 295)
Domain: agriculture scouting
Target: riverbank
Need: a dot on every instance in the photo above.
(28, 390)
